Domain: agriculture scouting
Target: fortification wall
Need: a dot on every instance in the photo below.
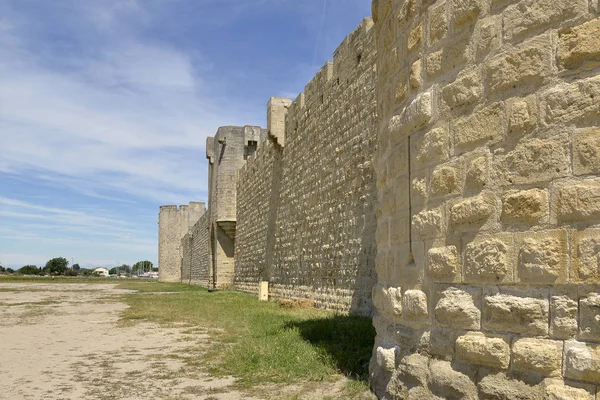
(257, 196)
(173, 224)
(488, 226)
(201, 253)
(306, 223)
(186, 257)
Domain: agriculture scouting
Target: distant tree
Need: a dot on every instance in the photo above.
(142, 266)
(124, 268)
(76, 267)
(85, 272)
(2, 269)
(70, 272)
(113, 271)
(10, 270)
(56, 266)
(29, 270)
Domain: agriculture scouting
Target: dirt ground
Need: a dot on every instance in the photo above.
(62, 341)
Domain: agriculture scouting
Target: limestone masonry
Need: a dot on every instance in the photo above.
(441, 174)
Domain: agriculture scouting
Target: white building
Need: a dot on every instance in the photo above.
(100, 271)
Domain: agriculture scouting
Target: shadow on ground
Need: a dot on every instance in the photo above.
(346, 340)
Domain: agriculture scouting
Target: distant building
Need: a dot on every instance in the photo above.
(100, 271)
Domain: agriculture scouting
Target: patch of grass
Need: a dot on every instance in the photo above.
(256, 341)
(57, 279)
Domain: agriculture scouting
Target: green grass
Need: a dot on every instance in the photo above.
(259, 342)
(57, 279)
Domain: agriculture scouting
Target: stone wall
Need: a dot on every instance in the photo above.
(173, 224)
(488, 226)
(201, 253)
(306, 215)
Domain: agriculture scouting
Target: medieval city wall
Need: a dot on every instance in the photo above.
(488, 225)
(173, 224)
(305, 211)
(200, 253)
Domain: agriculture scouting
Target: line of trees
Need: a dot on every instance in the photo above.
(60, 266)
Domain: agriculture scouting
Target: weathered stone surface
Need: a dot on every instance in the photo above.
(386, 358)
(414, 367)
(525, 206)
(563, 317)
(559, 391)
(534, 161)
(387, 299)
(543, 257)
(414, 115)
(589, 317)
(415, 36)
(585, 255)
(516, 314)
(477, 348)
(450, 383)
(579, 46)
(485, 126)
(441, 342)
(477, 171)
(443, 264)
(432, 146)
(465, 10)
(487, 261)
(533, 15)
(473, 211)
(539, 355)
(488, 36)
(428, 223)
(415, 74)
(586, 151)
(578, 201)
(465, 90)
(445, 180)
(522, 115)
(456, 307)
(528, 66)
(414, 304)
(451, 58)
(438, 22)
(582, 361)
(574, 103)
(499, 387)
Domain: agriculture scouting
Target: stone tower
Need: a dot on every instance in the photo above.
(227, 152)
(173, 224)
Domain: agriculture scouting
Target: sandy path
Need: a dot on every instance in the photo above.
(61, 341)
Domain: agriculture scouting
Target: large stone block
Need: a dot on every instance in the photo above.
(477, 348)
(474, 211)
(458, 307)
(415, 74)
(386, 358)
(557, 390)
(589, 317)
(500, 387)
(563, 317)
(525, 206)
(515, 314)
(485, 126)
(446, 180)
(575, 103)
(464, 11)
(577, 201)
(529, 66)
(415, 115)
(477, 167)
(534, 161)
(431, 147)
(522, 115)
(428, 224)
(466, 90)
(530, 16)
(488, 36)
(582, 361)
(415, 36)
(387, 300)
(414, 304)
(543, 257)
(538, 355)
(586, 151)
(585, 256)
(488, 260)
(579, 46)
(438, 22)
(450, 383)
(443, 264)
(449, 60)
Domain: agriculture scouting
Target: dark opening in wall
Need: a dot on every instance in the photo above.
(250, 148)
(358, 58)
(322, 99)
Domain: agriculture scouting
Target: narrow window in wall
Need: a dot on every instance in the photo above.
(250, 149)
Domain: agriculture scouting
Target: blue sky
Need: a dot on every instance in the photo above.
(105, 106)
